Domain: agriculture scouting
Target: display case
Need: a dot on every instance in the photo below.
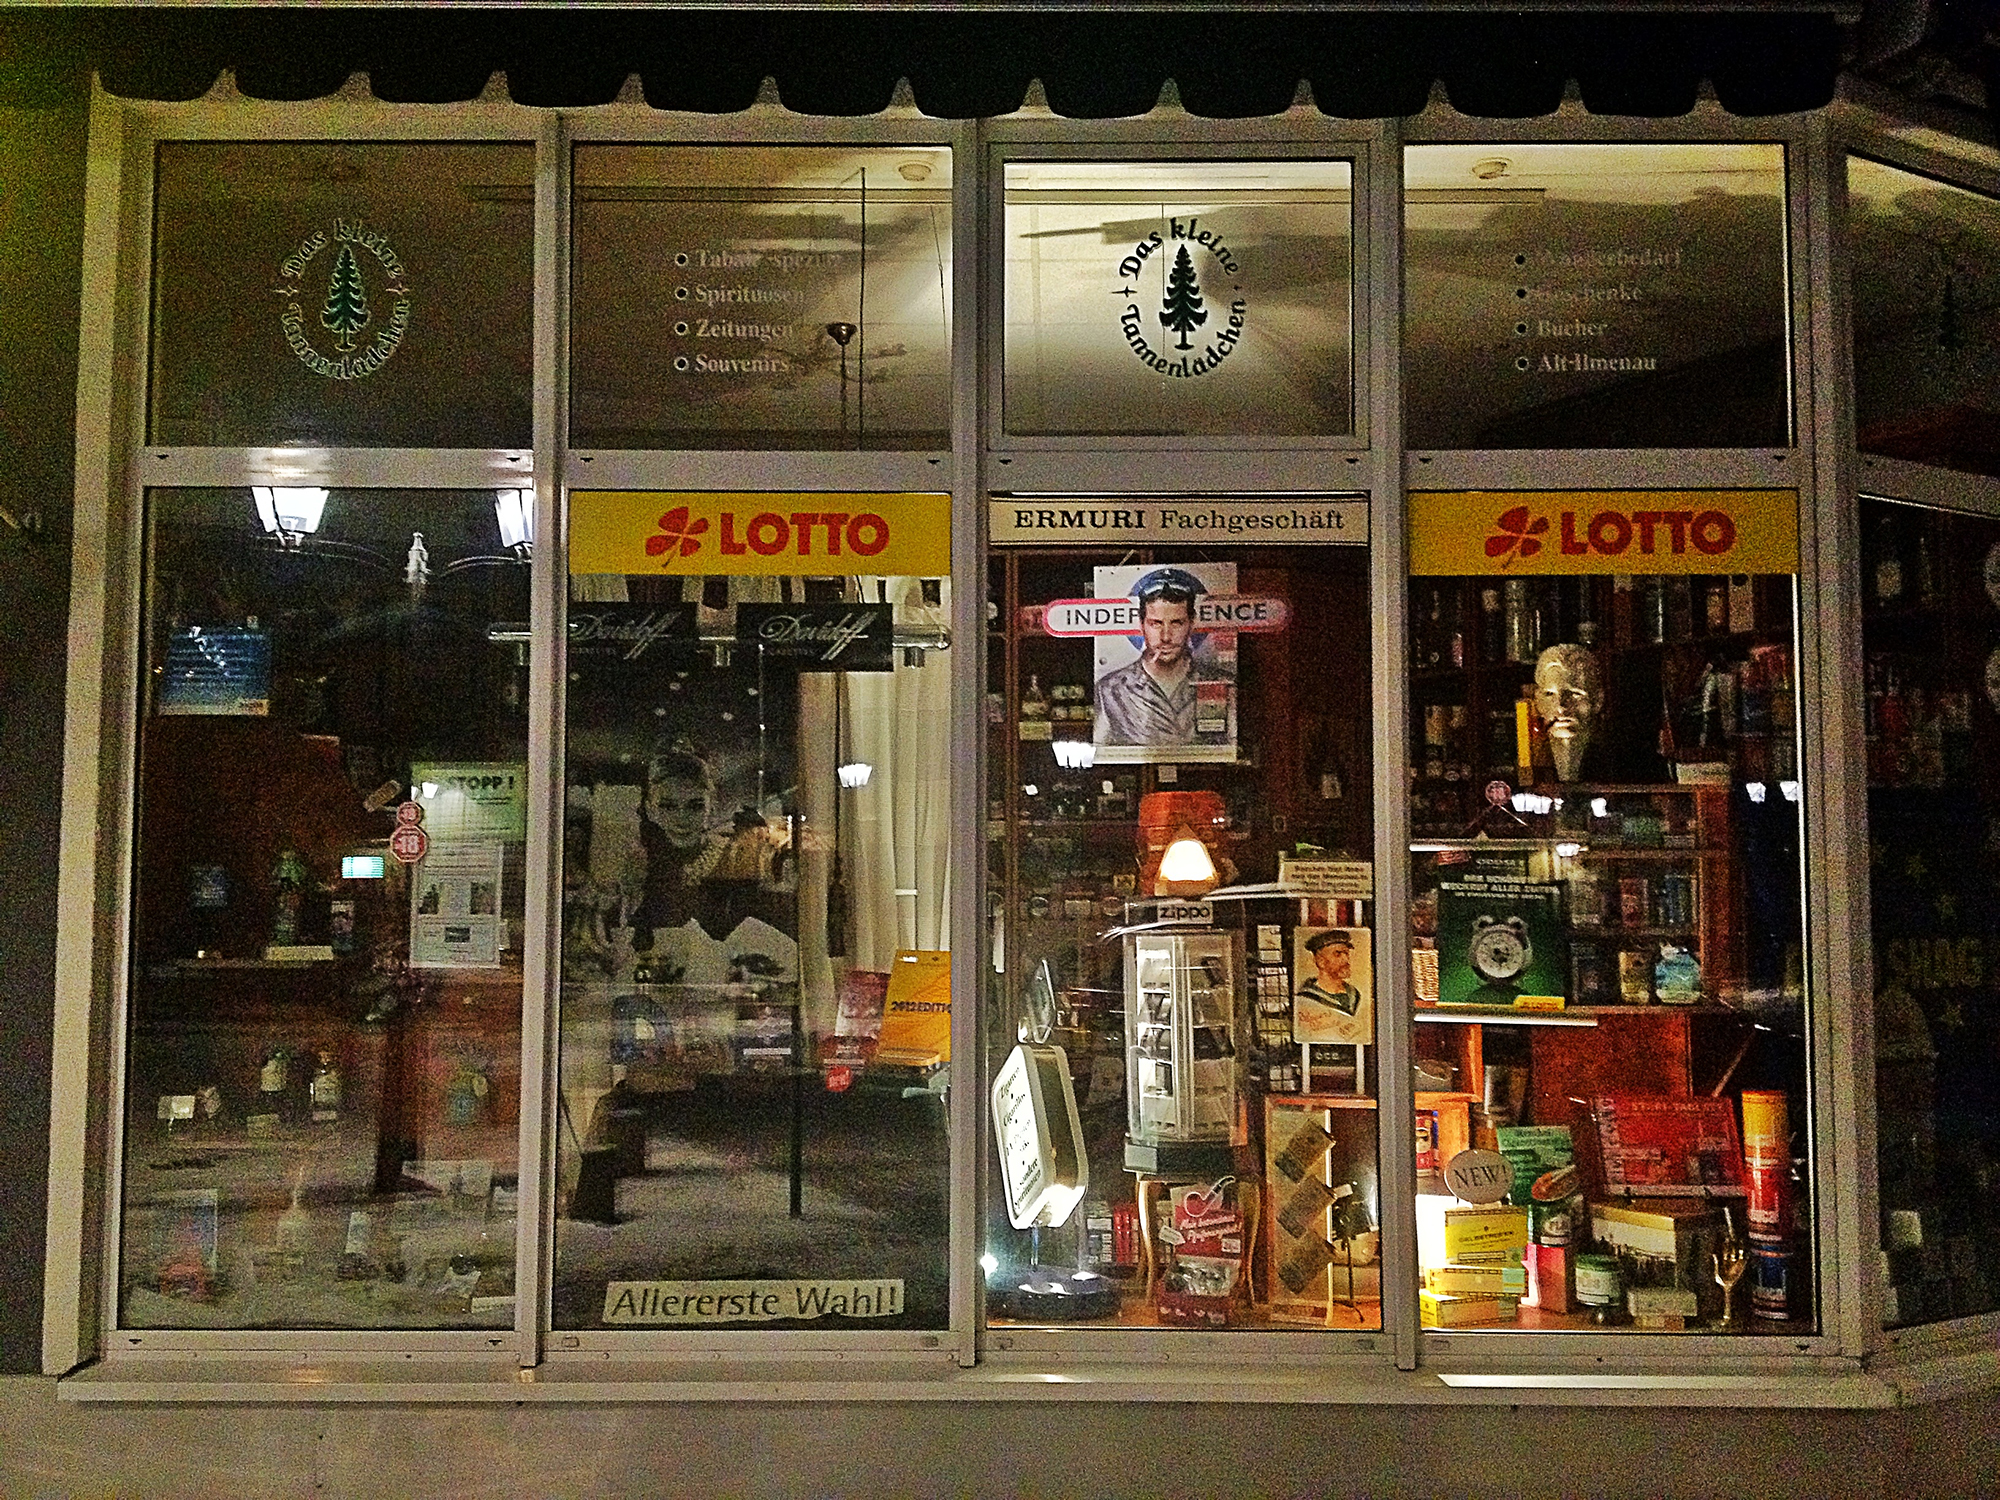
(1606, 945)
(1182, 1018)
(1179, 834)
(322, 1076)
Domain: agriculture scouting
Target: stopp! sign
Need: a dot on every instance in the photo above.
(1604, 531)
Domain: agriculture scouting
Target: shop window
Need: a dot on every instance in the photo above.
(1606, 944)
(1931, 597)
(322, 1068)
(1181, 1064)
(1178, 300)
(761, 297)
(1595, 296)
(755, 1035)
(343, 294)
(1925, 258)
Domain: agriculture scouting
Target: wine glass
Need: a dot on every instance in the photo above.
(1727, 1263)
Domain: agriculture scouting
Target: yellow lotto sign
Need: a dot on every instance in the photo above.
(1604, 531)
(623, 531)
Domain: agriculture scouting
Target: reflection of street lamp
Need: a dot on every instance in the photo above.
(842, 334)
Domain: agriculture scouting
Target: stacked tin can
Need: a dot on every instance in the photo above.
(1767, 1161)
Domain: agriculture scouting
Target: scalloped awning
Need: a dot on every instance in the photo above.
(961, 62)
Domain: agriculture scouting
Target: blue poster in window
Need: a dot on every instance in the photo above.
(216, 669)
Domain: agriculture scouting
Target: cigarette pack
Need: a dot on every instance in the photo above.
(1492, 1235)
(1476, 1281)
(1436, 1310)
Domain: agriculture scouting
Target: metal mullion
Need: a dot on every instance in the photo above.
(75, 1283)
(760, 125)
(965, 1120)
(225, 115)
(1901, 132)
(750, 471)
(161, 465)
(1388, 558)
(122, 708)
(1015, 471)
(1603, 468)
(1921, 484)
(1841, 1109)
(539, 1149)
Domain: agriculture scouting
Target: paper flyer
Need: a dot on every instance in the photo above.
(455, 907)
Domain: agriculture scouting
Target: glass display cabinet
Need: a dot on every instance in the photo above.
(323, 1073)
(1606, 943)
(1179, 835)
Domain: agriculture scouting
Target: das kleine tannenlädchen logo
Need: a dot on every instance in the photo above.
(342, 328)
(1197, 331)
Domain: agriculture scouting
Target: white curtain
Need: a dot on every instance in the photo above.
(895, 833)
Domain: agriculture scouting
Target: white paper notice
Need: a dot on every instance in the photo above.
(455, 907)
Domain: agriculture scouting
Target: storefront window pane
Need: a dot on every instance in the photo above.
(761, 297)
(756, 1001)
(1180, 1030)
(1607, 944)
(343, 294)
(322, 1077)
(1925, 259)
(1183, 299)
(1595, 296)
(1931, 599)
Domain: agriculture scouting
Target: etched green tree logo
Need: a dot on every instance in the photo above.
(346, 310)
(1182, 311)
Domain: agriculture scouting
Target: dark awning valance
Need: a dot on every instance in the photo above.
(960, 63)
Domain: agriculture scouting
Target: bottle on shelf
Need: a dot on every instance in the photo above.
(323, 1094)
(1886, 578)
(288, 881)
(1034, 705)
(1492, 625)
(1521, 643)
(274, 1081)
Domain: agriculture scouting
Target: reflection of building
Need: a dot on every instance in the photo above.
(841, 67)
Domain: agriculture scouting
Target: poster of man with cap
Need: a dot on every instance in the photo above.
(1335, 1002)
(1168, 694)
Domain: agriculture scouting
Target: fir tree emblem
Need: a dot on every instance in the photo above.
(346, 310)
(1182, 311)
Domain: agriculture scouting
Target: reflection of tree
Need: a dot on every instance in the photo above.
(1927, 327)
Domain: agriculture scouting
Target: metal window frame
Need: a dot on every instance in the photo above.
(1523, 1355)
(116, 467)
(1349, 464)
(797, 472)
(1869, 123)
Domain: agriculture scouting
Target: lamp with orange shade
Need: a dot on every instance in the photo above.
(1179, 834)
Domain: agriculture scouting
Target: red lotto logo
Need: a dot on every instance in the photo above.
(679, 536)
(1517, 535)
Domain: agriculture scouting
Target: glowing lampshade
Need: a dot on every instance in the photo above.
(1186, 860)
(291, 513)
(515, 511)
(1179, 833)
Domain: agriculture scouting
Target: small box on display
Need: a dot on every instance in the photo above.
(1436, 1310)
(1664, 1242)
(1494, 1234)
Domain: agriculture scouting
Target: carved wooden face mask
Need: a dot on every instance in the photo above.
(1569, 691)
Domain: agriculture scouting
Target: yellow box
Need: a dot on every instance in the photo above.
(1477, 1281)
(1493, 1235)
(1434, 1310)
